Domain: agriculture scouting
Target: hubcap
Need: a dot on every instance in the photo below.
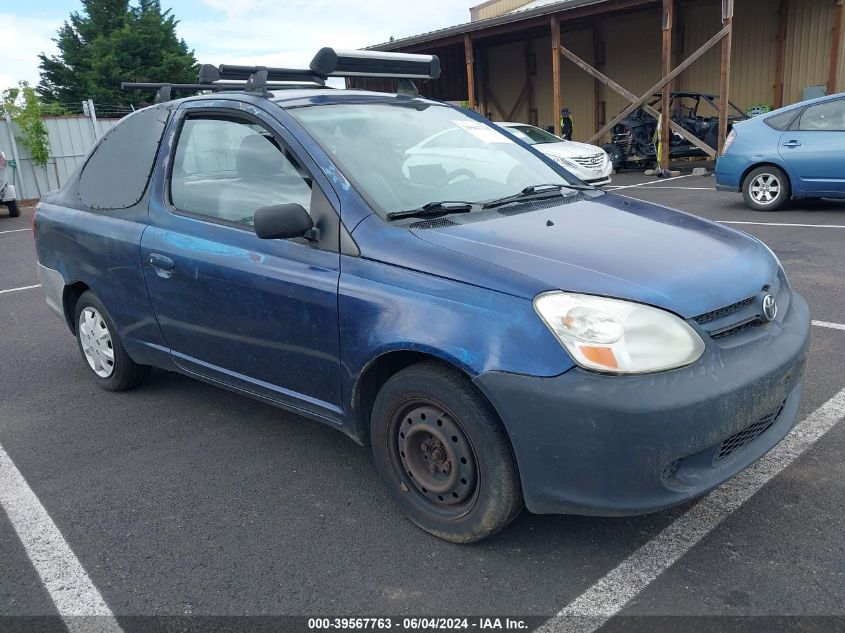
(436, 455)
(765, 188)
(96, 342)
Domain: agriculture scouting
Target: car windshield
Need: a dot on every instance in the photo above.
(535, 136)
(402, 156)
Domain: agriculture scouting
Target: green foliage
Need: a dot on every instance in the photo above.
(24, 108)
(111, 41)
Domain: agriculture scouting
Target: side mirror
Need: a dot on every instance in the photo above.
(282, 221)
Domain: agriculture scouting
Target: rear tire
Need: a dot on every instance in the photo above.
(101, 348)
(766, 188)
(443, 454)
(12, 205)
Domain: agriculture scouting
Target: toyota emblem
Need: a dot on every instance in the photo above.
(770, 308)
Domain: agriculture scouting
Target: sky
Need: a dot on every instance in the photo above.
(262, 32)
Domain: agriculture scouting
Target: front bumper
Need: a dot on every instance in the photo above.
(620, 445)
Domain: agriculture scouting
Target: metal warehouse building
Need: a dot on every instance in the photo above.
(517, 60)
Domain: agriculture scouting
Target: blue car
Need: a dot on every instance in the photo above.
(500, 337)
(794, 152)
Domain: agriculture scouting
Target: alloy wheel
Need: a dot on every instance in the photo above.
(765, 189)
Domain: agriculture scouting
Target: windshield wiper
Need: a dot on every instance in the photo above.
(536, 192)
(432, 209)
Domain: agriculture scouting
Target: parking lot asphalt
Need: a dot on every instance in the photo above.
(182, 499)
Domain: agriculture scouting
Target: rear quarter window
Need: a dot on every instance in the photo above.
(118, 170)
(783, 120)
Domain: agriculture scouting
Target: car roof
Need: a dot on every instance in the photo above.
(297, 97)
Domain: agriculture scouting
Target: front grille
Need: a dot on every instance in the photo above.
(747, 435)
(594, 161)
(437, 223)
(739, 328)
(721, 313)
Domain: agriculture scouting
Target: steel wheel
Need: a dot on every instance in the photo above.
(433, 458)
(96, 341)
(765, 189)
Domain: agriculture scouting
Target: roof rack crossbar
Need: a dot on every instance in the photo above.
(242, 73)
(328, 62)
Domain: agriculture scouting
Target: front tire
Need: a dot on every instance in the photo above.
(766, 188)
(12, 206)
(101, 348)
(443, 454)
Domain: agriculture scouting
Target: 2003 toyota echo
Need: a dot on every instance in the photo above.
(502, 334)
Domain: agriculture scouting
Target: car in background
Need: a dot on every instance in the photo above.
(794, 152)
(7, 189)
(588, 162)
(632, 139)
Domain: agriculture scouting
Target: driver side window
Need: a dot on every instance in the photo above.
(227, 168)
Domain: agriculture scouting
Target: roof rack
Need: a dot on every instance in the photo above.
(328, 62)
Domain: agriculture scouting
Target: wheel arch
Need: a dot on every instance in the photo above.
(766, 163)
(377, 371)
(70, 296)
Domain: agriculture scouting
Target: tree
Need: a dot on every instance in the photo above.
(111, 41)
(25, 109)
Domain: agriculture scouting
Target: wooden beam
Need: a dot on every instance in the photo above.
(555, 25)
(630, 96)
(835, 49)
(518, 102)
(598, 61)
(665, 119)
(495, 104)
(638, 102)
(725, 79)
(470, 60)
(780, 52)
(679, 43)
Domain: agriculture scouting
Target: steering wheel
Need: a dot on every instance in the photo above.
(452, 176)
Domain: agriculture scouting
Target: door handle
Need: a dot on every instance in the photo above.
(792, 144)
(162, 263)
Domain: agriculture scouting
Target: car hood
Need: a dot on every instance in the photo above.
(568, 149)
(613, 246)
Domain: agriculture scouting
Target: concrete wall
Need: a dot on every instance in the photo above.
(70, 138)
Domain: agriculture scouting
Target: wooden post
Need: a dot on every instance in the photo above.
(780, 60)
(666, 116)
(835, 49)
(556, 73)
(598, 61)
(470, 59)
(725, 82)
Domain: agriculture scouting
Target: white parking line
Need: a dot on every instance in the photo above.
(14, 231)
(612, 592)
(812, 226)
(644, 184)
(827, 324)
(21, 288)
(67, 582)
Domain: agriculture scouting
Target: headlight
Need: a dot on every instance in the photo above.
(618, 337)
(564, 162)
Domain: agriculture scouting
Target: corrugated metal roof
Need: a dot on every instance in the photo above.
(533, 9)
